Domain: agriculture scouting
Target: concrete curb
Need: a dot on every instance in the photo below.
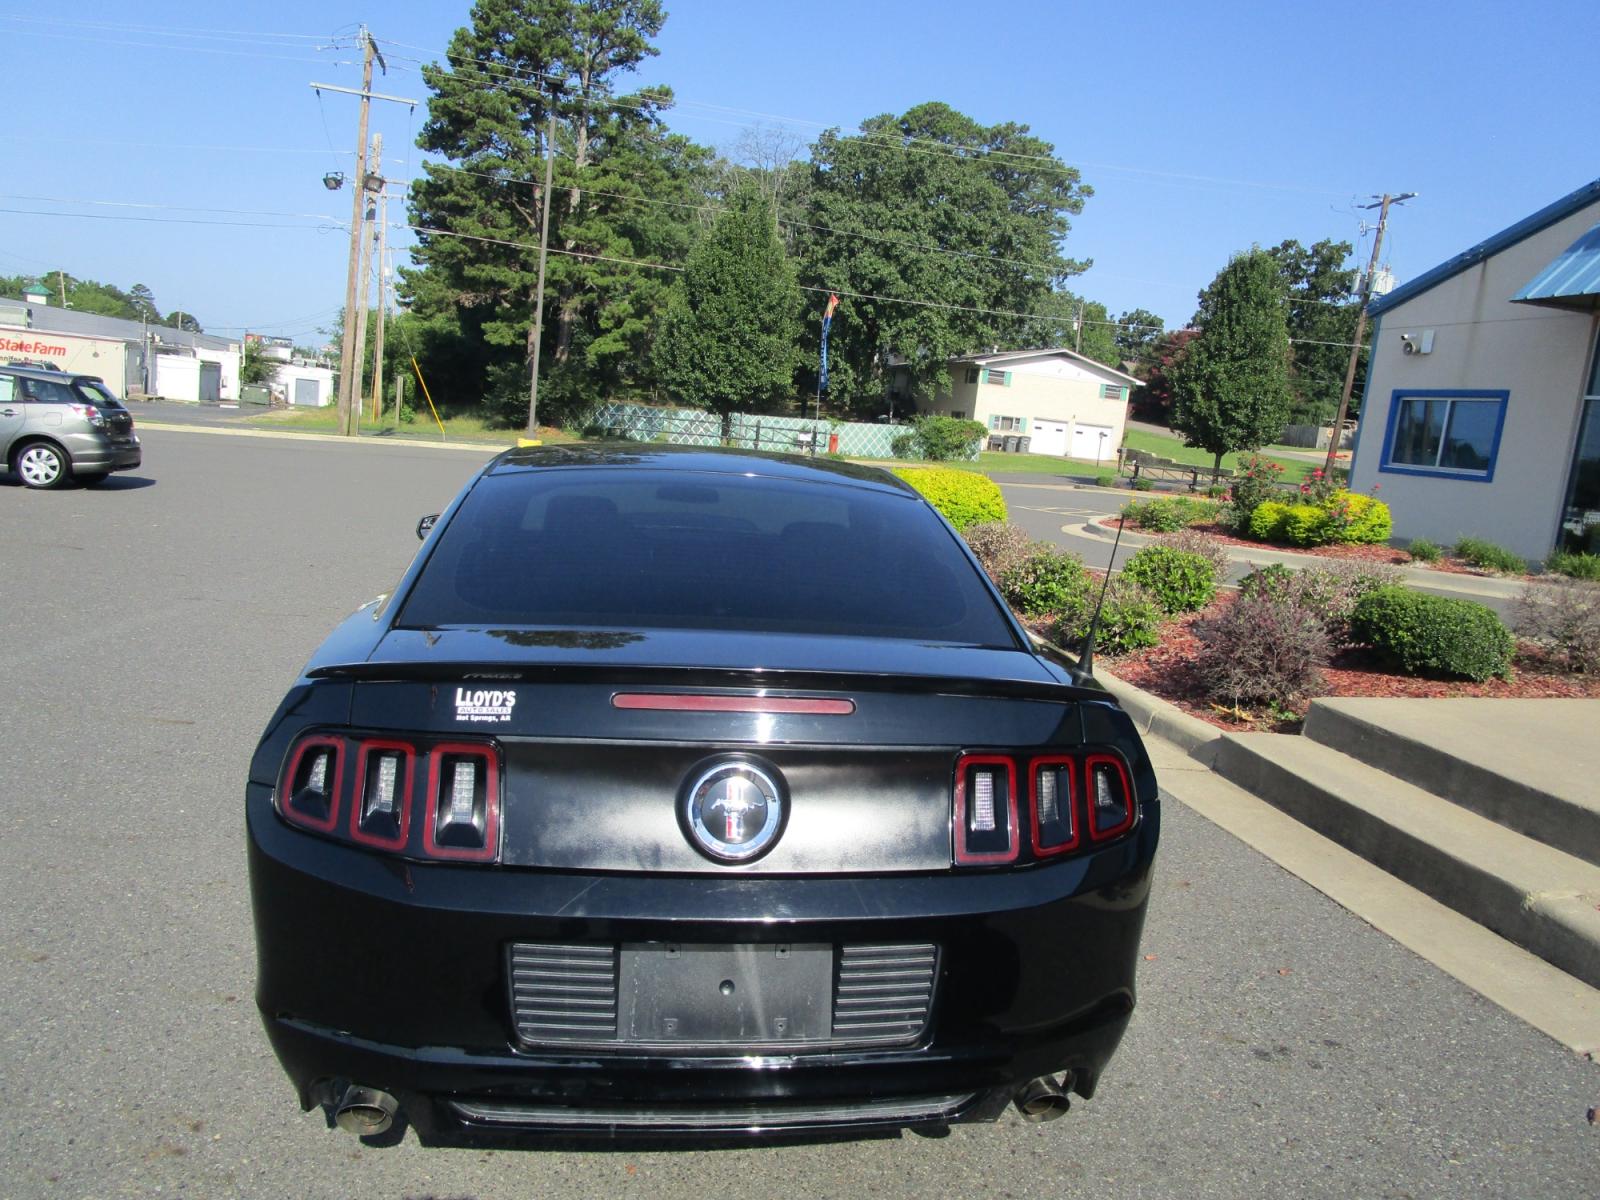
(309, 436)
(1155, 716)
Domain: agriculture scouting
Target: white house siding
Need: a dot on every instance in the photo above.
(1482, 341)
(1050, 389)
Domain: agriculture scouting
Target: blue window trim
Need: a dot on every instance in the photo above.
(1400, 394)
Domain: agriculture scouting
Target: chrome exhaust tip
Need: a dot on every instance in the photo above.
(1042, 1100)
(365, 1112)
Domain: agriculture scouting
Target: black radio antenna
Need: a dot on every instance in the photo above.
(1086, 655)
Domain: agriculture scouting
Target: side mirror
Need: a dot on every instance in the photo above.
(425, 525)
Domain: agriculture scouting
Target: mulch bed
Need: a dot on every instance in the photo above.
(1168, 670)
(1387, 555)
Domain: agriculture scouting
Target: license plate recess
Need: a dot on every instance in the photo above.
(715, 995)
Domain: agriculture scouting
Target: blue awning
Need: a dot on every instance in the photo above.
(1572, 280)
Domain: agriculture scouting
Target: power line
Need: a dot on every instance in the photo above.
(234, 212)
(28, 212)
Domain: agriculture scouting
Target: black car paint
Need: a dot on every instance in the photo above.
(388, 972)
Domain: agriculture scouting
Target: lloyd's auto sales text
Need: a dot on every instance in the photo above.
(22, 346)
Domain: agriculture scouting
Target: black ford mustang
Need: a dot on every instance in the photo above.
(693, 791)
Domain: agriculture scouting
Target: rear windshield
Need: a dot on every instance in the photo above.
(646, 549)
(98, 394)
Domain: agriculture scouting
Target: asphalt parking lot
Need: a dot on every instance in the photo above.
(1282, 1047)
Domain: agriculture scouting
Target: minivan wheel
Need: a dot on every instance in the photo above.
(42, 465)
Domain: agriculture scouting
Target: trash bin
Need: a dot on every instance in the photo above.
(996, 442)
(255, 393)
(1011, 444)
(1022, 444)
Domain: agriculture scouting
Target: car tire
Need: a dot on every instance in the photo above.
(42, 465)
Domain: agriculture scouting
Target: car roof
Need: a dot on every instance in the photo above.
(54, 376)
(714, 460)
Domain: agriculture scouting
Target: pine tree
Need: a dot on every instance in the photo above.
(1231, 386)
(729, 341)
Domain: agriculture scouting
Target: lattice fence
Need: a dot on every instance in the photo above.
(795, 435)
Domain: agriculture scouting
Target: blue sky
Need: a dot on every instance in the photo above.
(1202, 127)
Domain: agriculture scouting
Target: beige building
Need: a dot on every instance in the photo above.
(1482, 410)
(1062, 403)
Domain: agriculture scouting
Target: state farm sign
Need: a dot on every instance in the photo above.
(11, 345)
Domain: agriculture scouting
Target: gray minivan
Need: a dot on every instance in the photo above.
(56, 426)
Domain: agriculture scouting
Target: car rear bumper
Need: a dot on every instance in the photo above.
(392, 975)
(92, 454)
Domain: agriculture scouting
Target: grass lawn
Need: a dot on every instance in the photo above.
(456, 429)
(1294, 469)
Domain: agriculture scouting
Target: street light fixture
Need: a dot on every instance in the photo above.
(333, 180)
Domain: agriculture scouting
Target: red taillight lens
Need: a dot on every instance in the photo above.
(462, 820)
(313, 784)
(1109, 794)
(986, 809)
(380, 813)
(1052, 803)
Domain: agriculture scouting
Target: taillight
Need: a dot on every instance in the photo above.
(458, 810)
(1052, 803)
(1072, 801)
(313, 783)
(1110, 796)
(90, 414)
(381, 813)
(986, 809)
(463, 814)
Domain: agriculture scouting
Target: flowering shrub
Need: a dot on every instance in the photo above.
(1328, 592)
(1254, 483)
(1319, 488)
(1354, 519)
(1261, 650)
(1345, 517)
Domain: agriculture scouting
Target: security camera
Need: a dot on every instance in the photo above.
(1407, 345)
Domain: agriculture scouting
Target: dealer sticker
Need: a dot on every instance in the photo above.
(481, 707)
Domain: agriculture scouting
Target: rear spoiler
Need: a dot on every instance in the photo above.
(718, 677)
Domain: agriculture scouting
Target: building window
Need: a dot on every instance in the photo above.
(1111, 391)
(1003, 378)
(957, 414)
(972, 374)
(1580, 516)
(1451, 434)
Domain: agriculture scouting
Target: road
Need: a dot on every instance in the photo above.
(1282, 1047)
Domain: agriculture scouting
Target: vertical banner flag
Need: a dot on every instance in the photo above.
(827, 323)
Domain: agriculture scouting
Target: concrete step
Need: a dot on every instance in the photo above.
(1539, 897)
(1530, 765)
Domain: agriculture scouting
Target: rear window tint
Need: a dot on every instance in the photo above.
(648, 549)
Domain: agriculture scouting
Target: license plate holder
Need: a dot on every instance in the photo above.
(719, 995)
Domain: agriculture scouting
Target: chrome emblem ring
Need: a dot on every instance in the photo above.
(733, 811)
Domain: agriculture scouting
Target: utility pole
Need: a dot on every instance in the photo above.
(350, 350)
(383, 307)
(1383, 205)
(368, 201)
(544, 250)
(1078, 325)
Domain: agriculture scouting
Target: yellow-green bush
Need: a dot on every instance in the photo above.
(1266, 521)
(1363, 520)
(964, 497)
(1343, 517)
(1305, 525)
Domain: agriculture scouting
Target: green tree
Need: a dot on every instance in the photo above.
(517, 63)
(143, 301)
(1231, 386)
(1322, 322)
(1065, 313)
(183, 320)
(254, 365)
(950, 222)
(729, 341)
(1138, 333)
(1153, 401)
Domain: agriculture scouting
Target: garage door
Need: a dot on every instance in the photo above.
(1093, 442)
(1049, 437)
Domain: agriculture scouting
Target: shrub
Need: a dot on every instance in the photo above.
(1213, 549)
(1271, 582)
(1354, 519)
(1422, 550)
(964, 497)
(1048, 582)
(1563, 615)
(1180, 582)
(944, 439)
(1575, 565)
(1490, 557)
(998, 545)
(1130, 619)
(1261, 651)
(1266, 521)
(1158, 516)
(1305, 525)
(1435, 635)
(1319, 488)
(1254, 483)
(1141, 484)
